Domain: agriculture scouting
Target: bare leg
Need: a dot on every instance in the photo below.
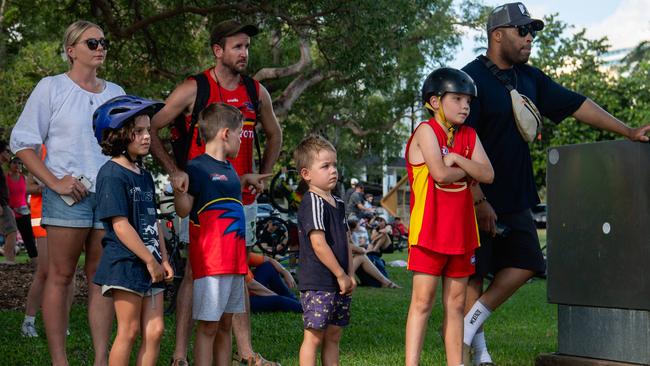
(204, 342)
(10, 246)
(100, 308)
(62, 263)
(128, 308)
(184, 315)
(422, 298)
(223, 341)
(453, 300)
(364, 262)
(330, 351)
(309, 349)
(506, 282)
(153, 326)
(35, 294)
(241, 326)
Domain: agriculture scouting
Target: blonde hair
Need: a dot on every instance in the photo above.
(308, 149)
(73, 33)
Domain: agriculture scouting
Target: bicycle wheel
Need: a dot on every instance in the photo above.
(177, 262)
(272, 235)
(282, 191)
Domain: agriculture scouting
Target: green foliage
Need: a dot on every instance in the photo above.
(370, 54)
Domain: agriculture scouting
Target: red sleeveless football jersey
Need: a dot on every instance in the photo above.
(442, 216)
(239, 99)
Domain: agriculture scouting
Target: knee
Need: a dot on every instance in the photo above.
(208, 329)
(422, 304)
(129, 331)
(456, 303)
(155, 330)
(333, 336)
(60, 275)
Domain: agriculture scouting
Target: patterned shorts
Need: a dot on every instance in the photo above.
(322, 308)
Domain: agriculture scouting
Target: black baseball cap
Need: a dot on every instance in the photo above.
(229, 28)
(512, 14)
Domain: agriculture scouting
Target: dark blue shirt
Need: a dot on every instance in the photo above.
(491, 116)
(315, 213)
(122, 192)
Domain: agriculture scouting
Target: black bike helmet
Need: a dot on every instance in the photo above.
(447, 80)
(115, 112)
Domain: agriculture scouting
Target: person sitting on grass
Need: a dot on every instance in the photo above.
(380, 238)
(218, 256)
(443, 157)
(269, 285)
(134, 264)
(365, 267)
(358, 234)
(325, 276)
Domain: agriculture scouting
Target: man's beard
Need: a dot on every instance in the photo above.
(233, 68)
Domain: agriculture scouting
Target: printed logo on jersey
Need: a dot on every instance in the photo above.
(227, 216)
(249, 105)
(216, 177)
(445, 151)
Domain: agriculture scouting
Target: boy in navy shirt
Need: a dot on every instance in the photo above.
(326, 278)
(218, 256)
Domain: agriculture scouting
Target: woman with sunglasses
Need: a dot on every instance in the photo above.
(58, 114)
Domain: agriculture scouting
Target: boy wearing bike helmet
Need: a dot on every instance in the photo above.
(443, 158)
(134, 263)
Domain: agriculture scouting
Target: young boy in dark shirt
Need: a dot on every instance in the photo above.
(326, 277)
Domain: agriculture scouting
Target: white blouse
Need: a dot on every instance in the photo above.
(59, 114)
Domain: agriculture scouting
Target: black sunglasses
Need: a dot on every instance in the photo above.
(524, 30)
(93, 43)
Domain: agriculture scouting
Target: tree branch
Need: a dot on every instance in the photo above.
(285, 101)
(105, 12)
(280, 72)
(353, 126)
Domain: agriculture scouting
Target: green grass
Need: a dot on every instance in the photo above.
(521, 329)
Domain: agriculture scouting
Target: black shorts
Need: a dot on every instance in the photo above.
(518, 249)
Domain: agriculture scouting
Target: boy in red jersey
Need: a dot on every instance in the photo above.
(443, 158)
(218, 256)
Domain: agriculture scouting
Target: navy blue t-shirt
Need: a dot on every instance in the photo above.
(122, 192)
(315, 213)
(491, 116)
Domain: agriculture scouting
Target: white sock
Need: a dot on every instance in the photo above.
(473, 321)
(29, 319)
(479, 346)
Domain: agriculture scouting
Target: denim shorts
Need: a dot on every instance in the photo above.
(82, 214)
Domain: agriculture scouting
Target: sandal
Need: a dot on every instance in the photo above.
(255, 360)
(179, 362)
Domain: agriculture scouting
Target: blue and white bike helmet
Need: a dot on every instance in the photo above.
(116, 111)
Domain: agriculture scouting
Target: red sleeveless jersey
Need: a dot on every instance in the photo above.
(239, 99)
(442, 216)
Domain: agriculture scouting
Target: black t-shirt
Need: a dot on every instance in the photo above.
(491, 116)
(315, 213)
(122, 192)
(355, 199)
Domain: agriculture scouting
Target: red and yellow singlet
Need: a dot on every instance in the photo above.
(442, 216)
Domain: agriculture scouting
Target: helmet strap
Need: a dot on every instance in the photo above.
(451, 129)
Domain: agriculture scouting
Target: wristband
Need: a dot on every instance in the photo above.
(480, 200)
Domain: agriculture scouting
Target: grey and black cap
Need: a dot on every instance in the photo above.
(512, 14)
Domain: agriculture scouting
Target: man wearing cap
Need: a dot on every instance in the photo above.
(348, 193)
(513, 256)
(229, 41)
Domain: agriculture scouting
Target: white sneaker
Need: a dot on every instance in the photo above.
(29, 330)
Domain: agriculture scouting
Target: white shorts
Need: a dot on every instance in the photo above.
(250, 212)
(215, 295)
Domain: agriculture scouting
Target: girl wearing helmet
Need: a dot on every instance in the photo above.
(58, 114)
(134, 263)
(443, 158)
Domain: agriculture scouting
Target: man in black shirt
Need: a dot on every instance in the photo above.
(516, 257)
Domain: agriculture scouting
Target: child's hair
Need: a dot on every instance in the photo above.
(352, 224)
(3, 146)
(116, 141)
(217, 116)
(308, 148)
